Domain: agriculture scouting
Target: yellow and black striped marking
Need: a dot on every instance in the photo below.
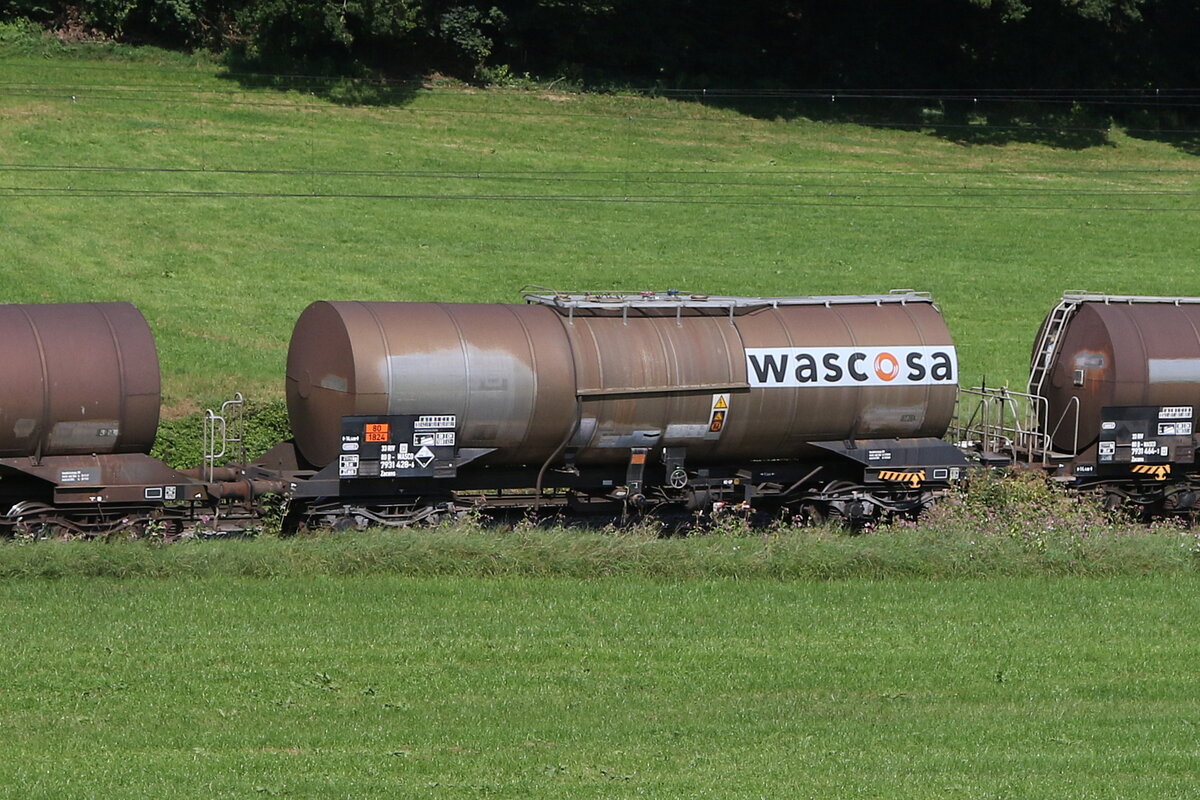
(1159, 471)
(913, 479)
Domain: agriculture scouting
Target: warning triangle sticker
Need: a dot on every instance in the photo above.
(720, 402)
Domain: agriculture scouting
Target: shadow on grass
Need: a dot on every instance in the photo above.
(1184, 139)
(966, 121)
(1050, 121)
(350, 85)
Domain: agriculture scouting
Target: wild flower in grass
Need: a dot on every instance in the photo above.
(1031, 541)
(23, 532)
(1191, 542)
(154, 531)
(730, 519)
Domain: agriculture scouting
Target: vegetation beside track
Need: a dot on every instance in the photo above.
(1015, 526)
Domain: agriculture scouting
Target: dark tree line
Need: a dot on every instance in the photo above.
(933, 45)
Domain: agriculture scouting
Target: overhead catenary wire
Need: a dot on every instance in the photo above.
(757, 201)
(624, 118)
(794, 187)
(198, 95)
(306, 82)
(311, 102)
(585, 174)
(798, 184)
(1166, 100)
(777, 186)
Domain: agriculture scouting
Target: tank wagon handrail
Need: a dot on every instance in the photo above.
(1072, 403)
(965, 432)
(1113, 299)
(214, 422)
(677, 301)
(1028, 433)
(670, 299)
(998, 422)
(990, 434)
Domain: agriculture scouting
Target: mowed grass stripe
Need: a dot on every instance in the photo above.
(384, 687)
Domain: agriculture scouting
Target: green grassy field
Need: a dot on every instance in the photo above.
(395, 687)
(222, 209)
(1048, 656)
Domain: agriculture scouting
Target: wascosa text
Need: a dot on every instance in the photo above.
(905, 365)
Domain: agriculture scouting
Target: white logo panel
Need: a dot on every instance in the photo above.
(902, 365)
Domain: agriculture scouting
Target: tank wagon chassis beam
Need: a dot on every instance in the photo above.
(31, 519)
(1180, 497)
(1176, 493)
(106, 495)
(855, 481)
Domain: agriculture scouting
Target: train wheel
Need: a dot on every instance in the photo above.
(344, 523)
(811, 514)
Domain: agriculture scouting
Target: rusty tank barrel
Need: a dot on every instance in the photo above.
(1116, 351)
(79, 378)
(724, 377)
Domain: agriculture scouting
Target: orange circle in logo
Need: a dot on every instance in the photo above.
(886, 367)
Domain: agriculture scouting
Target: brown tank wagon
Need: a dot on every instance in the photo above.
(78, 378)
(1115, 352)
(79, 408)
(696, 387)
(1111, 404)
(521, 379)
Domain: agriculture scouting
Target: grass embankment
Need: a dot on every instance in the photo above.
(223, 209)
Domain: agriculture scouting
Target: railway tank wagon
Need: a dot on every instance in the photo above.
(1111, 404)
(79, 406)
(823, 405)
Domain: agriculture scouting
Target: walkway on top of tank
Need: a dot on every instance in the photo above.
(677, 301)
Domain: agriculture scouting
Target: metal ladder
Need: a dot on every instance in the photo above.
(1048, 342)
(225, 426)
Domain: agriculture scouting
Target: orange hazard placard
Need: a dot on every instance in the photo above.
(377, 432)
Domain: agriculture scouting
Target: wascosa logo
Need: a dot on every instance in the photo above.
(905, 365)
